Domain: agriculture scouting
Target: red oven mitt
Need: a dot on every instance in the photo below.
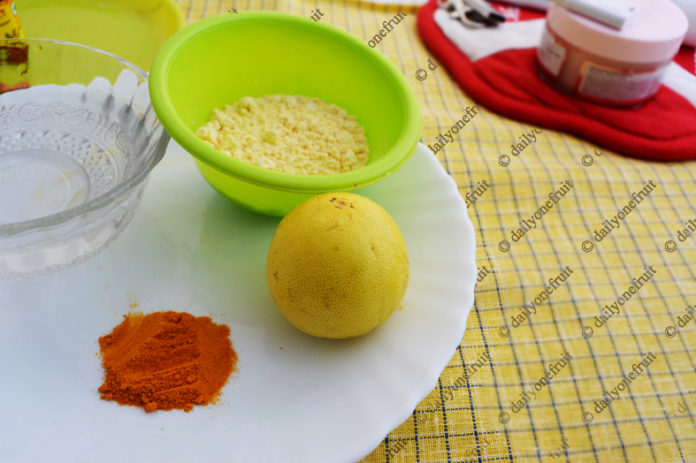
(506, 82)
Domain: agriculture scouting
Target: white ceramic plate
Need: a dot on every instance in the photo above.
(294, 398)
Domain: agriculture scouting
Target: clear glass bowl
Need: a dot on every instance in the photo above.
(78, 138)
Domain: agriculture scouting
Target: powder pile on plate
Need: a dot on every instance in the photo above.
(166, 360)
(291, 134)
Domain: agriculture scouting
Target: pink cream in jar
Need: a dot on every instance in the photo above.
(593, 61)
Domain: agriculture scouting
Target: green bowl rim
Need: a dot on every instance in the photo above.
(391, 161)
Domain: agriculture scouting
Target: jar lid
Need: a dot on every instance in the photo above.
(653, 34)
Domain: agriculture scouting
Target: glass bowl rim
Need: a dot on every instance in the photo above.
(106, 198)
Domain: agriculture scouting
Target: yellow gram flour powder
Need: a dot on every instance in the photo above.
(292, 134)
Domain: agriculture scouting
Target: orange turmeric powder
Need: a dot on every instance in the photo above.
(166, 360)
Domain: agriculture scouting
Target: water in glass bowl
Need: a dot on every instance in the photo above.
(73, 163)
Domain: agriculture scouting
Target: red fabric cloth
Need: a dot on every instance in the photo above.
(662, 129)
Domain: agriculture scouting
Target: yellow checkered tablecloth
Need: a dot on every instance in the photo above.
(580, 344)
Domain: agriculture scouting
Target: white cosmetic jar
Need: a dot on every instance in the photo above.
(614, 67)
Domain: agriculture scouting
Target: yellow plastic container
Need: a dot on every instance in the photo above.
(131, 29)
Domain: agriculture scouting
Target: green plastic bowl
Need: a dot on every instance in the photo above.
(219, 60)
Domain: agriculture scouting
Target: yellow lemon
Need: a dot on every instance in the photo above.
(337, 266)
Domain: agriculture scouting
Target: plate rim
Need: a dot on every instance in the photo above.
(417, 395)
